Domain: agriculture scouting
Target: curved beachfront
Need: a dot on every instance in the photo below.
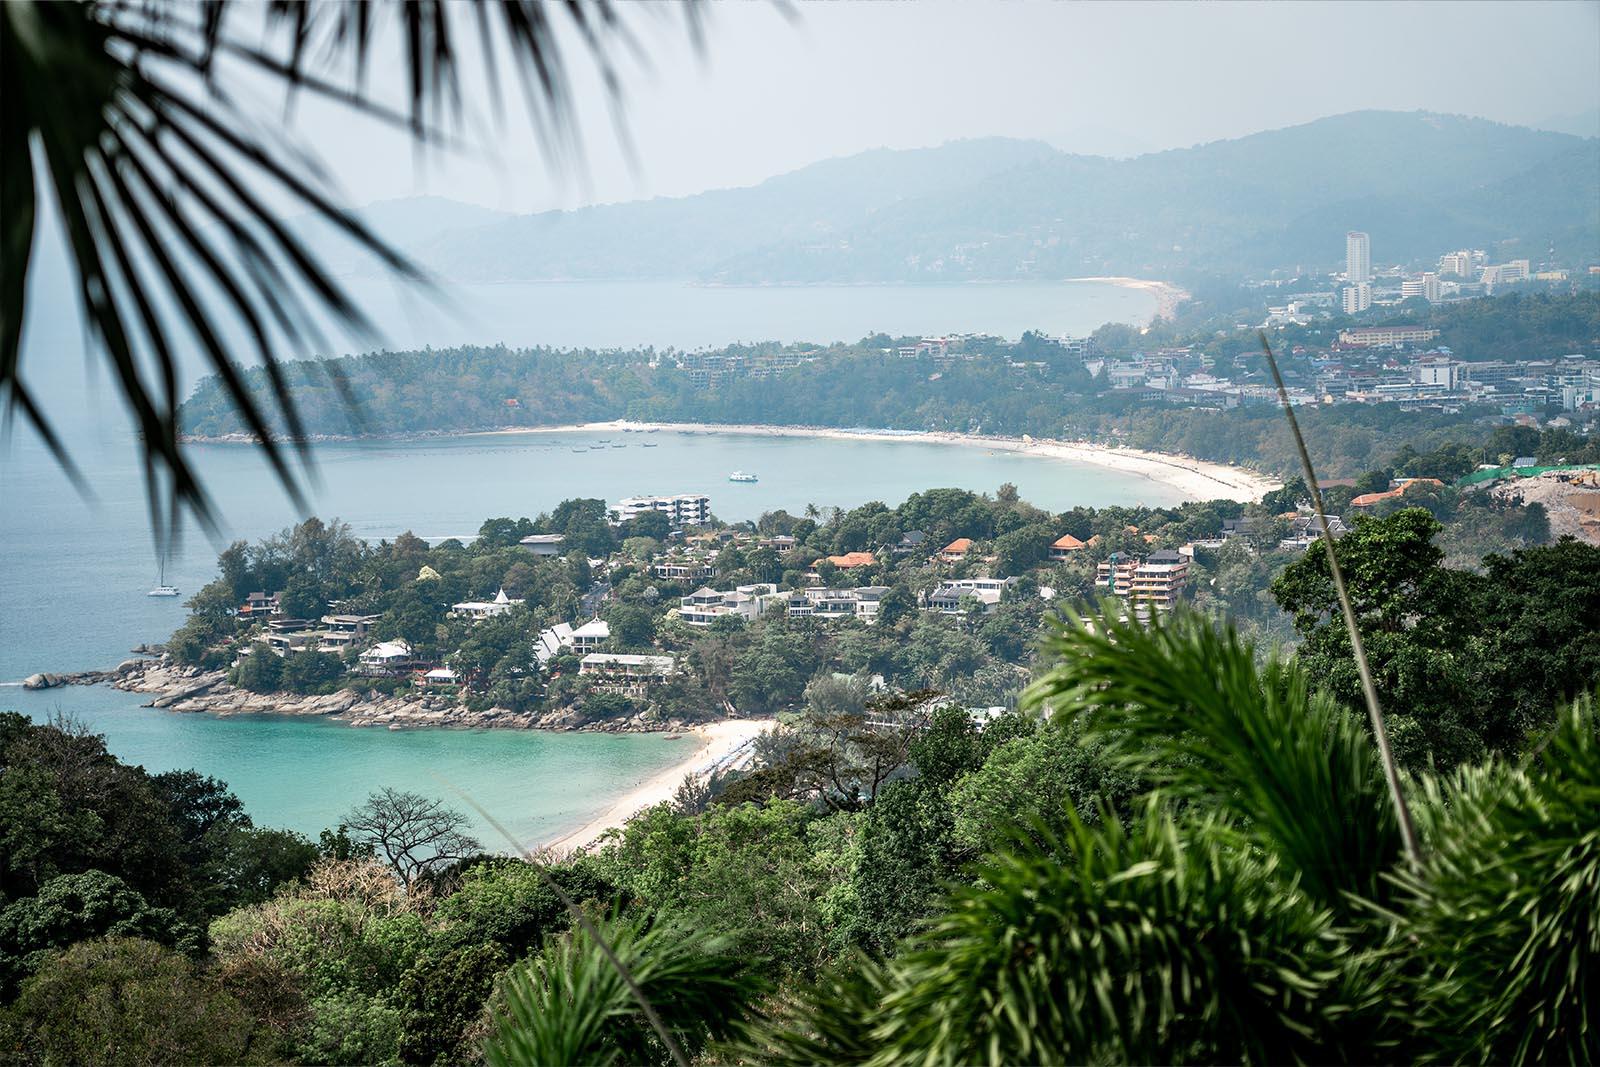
(1196, 479)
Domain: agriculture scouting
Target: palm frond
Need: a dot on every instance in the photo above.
(163, 185)
(1369, 692)
(570, 1004)
(1152, 944)
(1183, 702)
(1502, 923)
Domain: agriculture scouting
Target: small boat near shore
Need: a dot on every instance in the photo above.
(161, 587)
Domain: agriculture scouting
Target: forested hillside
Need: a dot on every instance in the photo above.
(1001, 209)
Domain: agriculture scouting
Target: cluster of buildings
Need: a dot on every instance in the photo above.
(1459, 275)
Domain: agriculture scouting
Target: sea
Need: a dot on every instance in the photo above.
(75, 563)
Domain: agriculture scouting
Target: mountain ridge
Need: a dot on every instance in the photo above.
(1002, 208)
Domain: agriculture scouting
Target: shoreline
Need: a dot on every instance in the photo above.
(1196, 479)
(717, 742)
(1168, 296)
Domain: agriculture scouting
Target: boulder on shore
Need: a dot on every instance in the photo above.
(43, 681)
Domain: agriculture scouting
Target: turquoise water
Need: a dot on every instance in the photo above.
(73, 571)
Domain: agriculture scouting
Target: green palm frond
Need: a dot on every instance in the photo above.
(572, 1004)
(119, 117)
(1502, 923)
(1158, 943)
(1184, 703)
(831, 1021)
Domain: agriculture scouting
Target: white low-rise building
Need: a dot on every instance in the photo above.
(684, 509)
(861, 603)
(591, 635)
(386, 658)
(948, 597)
(478, 610)
(620, 672)
(705, 606)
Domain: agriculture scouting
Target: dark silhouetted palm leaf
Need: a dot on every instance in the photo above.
(118, 114)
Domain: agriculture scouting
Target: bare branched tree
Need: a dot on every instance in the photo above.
(413, 833)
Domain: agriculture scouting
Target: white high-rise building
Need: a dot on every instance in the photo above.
(1357, 298)
(1458, 264)
(1357, 257)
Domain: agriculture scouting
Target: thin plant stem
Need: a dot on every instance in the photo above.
(1391, 773)
(650, 1014)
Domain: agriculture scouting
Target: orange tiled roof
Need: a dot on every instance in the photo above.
(958, 547)
(1067, 542)
(853, 559)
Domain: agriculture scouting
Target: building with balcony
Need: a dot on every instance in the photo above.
(684, 509)
(705, 606)
(632, 675)
(860, 603)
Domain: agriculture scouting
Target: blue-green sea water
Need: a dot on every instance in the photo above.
(74, 569)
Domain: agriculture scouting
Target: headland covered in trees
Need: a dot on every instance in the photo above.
(1195, 388)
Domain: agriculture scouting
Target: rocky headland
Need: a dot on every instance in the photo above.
(190, 689)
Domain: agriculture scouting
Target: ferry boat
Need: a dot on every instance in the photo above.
(741, 476)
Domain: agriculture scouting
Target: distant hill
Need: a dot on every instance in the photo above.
(997, 209)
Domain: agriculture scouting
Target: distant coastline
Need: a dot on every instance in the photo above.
(1168, 296)
(1196, 479)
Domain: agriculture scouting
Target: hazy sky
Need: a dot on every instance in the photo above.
(770, 95)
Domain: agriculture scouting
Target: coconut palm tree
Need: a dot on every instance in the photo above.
(123, 123)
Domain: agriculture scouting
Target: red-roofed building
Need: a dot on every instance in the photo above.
(956, 550)
(1064, 546)
(853, 559)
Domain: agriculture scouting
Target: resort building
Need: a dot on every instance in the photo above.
(684, 509)
(705, 606)
(950, 598)
(828, 604)
(1157, 581)
(1379, 336)
(261, 606)
(616, 672)
(543, 544)
(1064, 546)
(386, 659)
(852, 560)
(591, 635)
(683, 569)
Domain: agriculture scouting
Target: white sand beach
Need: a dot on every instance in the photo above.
(1194, 478)
(1168, 296)
(711, 744)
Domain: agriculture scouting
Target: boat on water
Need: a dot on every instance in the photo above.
(162, 588)
(580, 450)
(653, 429)
(619, 446)
(741, 476)
(649, 444)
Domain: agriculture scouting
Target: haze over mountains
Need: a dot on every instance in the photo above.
(997, 209)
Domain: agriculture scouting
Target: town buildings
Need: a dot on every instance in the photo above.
(860, 603)
(748, 602)
(1154, 582)
(625, 673)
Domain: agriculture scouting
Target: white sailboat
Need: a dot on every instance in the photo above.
(162, 588)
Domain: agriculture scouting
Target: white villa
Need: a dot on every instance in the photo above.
(478, 610)
(543, 544)
(619, 672)
(591, 635)
(861, 603)
(705, 606)
(386, 658)
(947, 597)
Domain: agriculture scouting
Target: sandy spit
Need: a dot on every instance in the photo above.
(712, 743)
